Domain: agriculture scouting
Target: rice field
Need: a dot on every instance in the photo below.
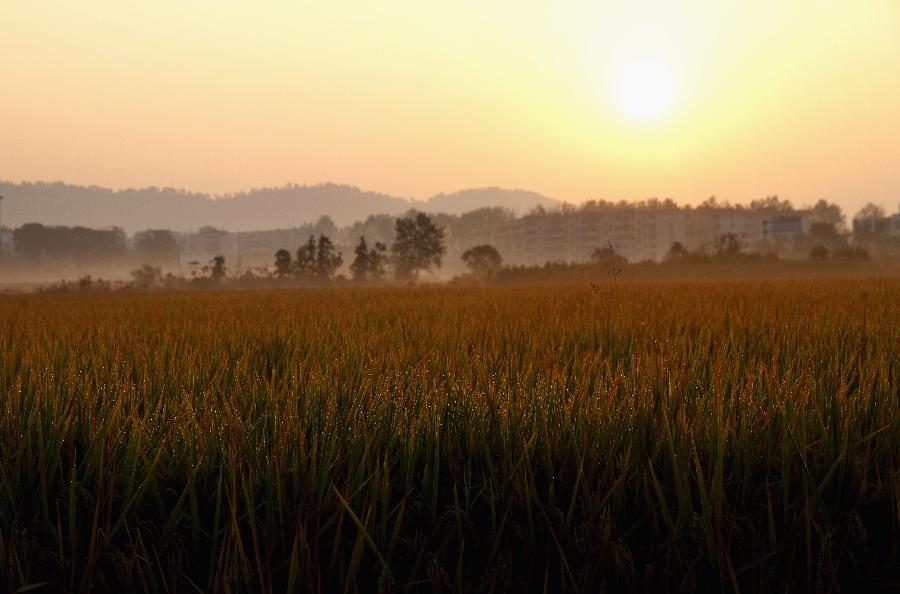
(661, 437)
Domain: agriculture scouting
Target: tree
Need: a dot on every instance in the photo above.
(317, 260)
(328, 259)
(869, 212)
(146, 277)
(361, 262)
(30, 240)
(34, 241)
(771, 203)
(283, 263)
(677, 252)
(711, 202)
(727, 246)
(305, 264)
(325, 226)
(375, 227)
(869, 222)
(824, 233)
(368, 265)
(418, 245)
(92, 245)
(217, 268)
(826, 213)
(156, 245)
(377, 261)
(483, 260)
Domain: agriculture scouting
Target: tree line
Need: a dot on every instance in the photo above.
(418, 247)
(35, 242)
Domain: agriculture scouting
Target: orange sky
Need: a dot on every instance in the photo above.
(412, 98)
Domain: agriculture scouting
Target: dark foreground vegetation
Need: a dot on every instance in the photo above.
(632, 437)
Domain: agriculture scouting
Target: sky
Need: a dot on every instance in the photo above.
(577, 100)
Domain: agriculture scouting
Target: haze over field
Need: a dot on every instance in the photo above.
(574, 100)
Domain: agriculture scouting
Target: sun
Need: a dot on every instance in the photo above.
(645, 88)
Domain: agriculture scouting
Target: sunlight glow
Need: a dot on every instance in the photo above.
(645, 88)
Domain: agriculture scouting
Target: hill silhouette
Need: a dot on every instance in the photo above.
(469, 200)
(59, 203)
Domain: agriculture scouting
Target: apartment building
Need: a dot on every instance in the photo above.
(638, 232)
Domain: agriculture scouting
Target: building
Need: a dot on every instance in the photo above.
(875, 226)
(786, 226)
(7, 246)
(637, 232)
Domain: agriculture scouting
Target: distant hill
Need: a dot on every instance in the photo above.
(469, 200)
(268, 208)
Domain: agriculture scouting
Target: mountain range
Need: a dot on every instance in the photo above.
(288, 206)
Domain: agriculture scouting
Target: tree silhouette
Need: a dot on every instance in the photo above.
(328, 259)
(677, 252)
(360, 265)
(870, 211)
(34, 241)
(31, 241)
(727, 246)
(825, 233)
(146, 277)
(377, 261)
(823, 212)
(305, 264)
(317, 260)
(771, 203)
(368, 264)
(483, 260)
(156, 245)
(868, 221)
(216, 268)
(418, 245)
(283, 263)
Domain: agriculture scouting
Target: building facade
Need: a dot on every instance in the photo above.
(639, 232)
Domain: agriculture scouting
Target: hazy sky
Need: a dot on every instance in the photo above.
(576, 100)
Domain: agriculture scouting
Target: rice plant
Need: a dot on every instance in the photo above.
(739, 436)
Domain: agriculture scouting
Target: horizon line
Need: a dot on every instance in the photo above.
(725, 202)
